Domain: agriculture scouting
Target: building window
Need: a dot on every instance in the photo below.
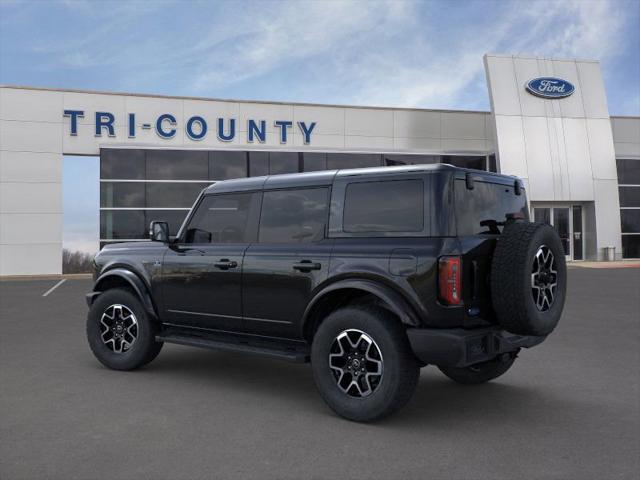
(475, 162)
(336, 161)
(122, 164)
(122, 195)
(172, 195)
(224, 165)
(283, 162)
(314, 161)
(177, 165)
(629, 194)
(393, 160)
(122, 224)
(628, 171)
(258, 164)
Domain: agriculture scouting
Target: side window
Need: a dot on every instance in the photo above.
(293, 216)
(384, 206)
(224, 218)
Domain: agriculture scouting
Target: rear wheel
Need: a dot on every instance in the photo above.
(362, 363)
(481, 372)
(119, 331)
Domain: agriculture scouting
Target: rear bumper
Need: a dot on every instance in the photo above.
(458, 347)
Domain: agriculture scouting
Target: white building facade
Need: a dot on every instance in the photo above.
(549, 124)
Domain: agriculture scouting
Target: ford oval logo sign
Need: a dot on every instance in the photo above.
(550, 87)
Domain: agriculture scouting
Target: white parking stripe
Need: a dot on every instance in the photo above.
(54, 287)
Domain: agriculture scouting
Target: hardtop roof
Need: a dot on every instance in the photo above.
(326, 177)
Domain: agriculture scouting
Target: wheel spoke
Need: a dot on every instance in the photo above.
(118, 328)
(356, 363)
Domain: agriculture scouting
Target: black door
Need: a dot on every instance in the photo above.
(202, 272)
(289, 260)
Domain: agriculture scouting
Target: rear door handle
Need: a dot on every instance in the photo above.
(225, 264)
(306, 266)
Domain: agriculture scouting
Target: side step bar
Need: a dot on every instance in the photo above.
(295, 352)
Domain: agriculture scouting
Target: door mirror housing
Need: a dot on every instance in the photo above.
(159, 231)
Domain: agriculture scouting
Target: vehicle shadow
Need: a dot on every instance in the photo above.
(438, 401)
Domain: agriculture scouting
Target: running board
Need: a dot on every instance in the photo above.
(288, 351)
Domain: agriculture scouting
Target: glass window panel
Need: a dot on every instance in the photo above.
(629, 196)
(488, 201)
(173, 195)
(177, 165)
(227, 164)
(353, 160)
(283, 162)
(119, 224)
(294, 216)
(628, 171)
(402, 209)
(391, 160)
(475, 162)
(630, 221)
(224, 219)
(314, 161)
(115, 194)
(258, 164)
(542, 215)
(493, 164)
(173, 217)
(631, 246)
(561, 224)
(122, 164)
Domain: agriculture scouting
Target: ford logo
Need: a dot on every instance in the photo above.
(550, 87)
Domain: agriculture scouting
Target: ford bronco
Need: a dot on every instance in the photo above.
(368, 274)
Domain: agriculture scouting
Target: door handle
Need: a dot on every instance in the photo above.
(225, 264)
(306, 266)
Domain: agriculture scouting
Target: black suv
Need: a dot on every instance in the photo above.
(370, 274)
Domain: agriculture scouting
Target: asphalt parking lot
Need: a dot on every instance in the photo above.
(568, 409)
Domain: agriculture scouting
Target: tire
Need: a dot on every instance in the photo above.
(378, 333)
(113, 352)
(527, 262)
(481, 372)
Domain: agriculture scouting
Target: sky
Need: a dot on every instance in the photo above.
(379, 53)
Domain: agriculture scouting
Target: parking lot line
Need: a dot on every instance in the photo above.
(54, 287)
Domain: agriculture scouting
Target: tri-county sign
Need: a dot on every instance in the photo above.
(550, 87)
(196, 127)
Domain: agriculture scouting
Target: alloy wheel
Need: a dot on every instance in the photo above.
(356, 363)
(544, 278)
(118, 328)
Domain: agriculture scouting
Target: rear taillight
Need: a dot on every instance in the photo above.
(450, 280)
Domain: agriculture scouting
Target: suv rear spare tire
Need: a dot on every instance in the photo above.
(528, 278)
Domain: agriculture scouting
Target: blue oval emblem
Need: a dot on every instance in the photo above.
(550, 87)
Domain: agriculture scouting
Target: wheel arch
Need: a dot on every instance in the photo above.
(121, 277)
(353, 290)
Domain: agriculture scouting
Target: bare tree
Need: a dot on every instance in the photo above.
(76, 262)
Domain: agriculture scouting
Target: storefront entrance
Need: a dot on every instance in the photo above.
(568, 222)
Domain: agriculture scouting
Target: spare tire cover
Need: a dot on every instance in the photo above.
(528, 278)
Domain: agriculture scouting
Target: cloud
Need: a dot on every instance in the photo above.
(393, 53)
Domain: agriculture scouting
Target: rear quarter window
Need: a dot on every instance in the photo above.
(487, 201)
(384, 206)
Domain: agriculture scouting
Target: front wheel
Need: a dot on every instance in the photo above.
(119, 331)
(480, 372)
(362, 363)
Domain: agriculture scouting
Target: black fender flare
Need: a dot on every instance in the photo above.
(133, 280)
(396, 302)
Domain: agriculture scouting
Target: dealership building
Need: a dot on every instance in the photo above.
(549, 124)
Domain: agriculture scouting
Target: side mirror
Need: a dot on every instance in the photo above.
(159, 231)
